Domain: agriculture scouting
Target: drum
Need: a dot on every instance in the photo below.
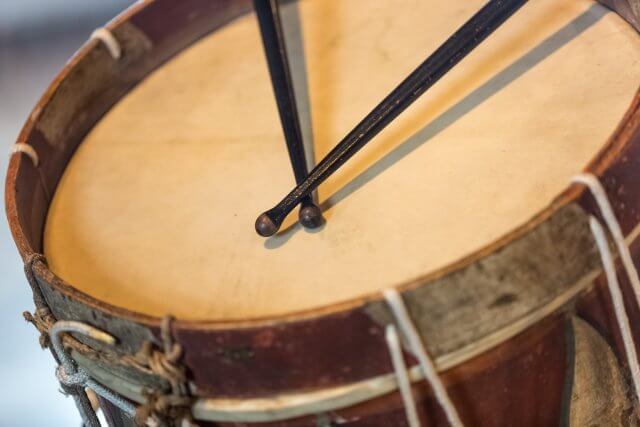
(476, 266)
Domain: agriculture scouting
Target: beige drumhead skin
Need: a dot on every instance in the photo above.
(155, 212)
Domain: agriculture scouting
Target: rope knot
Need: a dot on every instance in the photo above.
(76, 378)
(165, 408)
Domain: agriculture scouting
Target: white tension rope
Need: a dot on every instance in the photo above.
(620, 311)
(402, 376)
(416, 346)
(610, 220)
(618, 301)
(111, 43)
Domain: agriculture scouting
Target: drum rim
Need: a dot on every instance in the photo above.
(611, 150)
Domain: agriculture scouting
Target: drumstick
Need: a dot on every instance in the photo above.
(452, 51)
(275, 50)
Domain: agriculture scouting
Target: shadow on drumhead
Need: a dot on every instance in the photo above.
(543, 50)
(473, 100)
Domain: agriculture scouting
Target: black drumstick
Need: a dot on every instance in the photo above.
(452, 51)
(275, 50)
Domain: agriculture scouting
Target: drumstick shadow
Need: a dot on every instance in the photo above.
(292, 25)
(539, 53)
(473, 100)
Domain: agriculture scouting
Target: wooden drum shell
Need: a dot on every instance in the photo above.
(526, 356)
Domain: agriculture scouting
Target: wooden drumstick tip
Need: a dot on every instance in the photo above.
(269, 222)
(310, 215)
(265, 226)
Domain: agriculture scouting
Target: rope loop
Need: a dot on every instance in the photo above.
(111, 43)
(28, 150)
(76, 378)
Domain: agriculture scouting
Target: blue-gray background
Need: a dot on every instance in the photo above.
(36, 38)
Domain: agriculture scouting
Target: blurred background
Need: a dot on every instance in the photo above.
(36, 39)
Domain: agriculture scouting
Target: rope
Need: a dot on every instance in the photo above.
(146, 359)
(618, 302)
(83, 404)
(75, 378)
(406, 326)
(610, 220)
(38, 297)
(21, 147)
(404, 384)
(110, 42)
(162, 408)
(622, 318)
(43, 319)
